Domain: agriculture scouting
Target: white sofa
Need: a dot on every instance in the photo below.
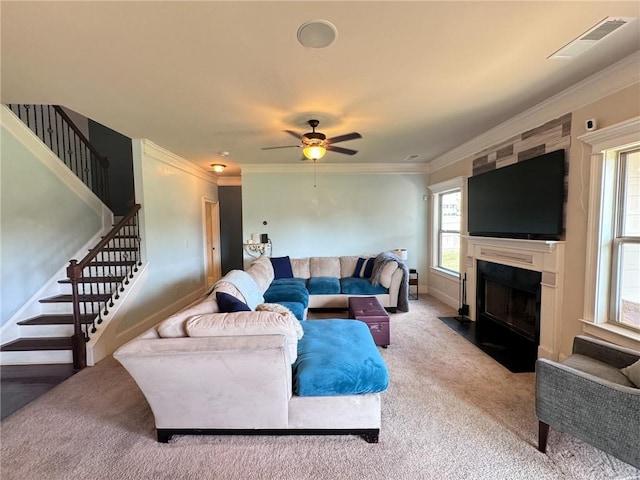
(206, 372)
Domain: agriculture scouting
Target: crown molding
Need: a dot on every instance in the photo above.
(163, 155)
(618, 76)
(308, 167)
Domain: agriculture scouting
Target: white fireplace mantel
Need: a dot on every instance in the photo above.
(542, 256)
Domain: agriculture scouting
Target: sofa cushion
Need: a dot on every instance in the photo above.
(262, 272)
(360, 286)
(300, 267)
(289, 281)
(348, 265)
(281, 267)
(228, 303)
(338, 357)
(245, 323)
(287, 293)
(282, 310)
(596, 367)
(324, 267)
(173, 326)
(323, 286)
(296, 308)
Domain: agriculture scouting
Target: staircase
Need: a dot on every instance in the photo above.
(97, 280)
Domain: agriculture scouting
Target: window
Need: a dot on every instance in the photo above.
(624, 302)
(612, 264)
(447, 209)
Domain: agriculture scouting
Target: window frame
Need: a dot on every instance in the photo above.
(619, 237)
(437, 190)
(605, 145)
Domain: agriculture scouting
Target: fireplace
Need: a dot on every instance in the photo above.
(508, 312)
(523, 301)
(510, 297)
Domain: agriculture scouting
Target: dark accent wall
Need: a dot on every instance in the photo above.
(117, 148)
(231, 256)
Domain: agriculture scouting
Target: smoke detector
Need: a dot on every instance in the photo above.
(589, 38)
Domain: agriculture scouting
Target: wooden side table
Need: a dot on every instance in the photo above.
(413, 282)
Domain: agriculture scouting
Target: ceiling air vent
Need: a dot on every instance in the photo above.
(589, 38)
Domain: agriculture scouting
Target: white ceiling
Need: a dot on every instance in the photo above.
(199, 78)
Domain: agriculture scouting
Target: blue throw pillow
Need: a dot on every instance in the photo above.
(364, 267)
(228, 303)
(282, 267)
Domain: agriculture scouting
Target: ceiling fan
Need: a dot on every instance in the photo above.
(315, 144)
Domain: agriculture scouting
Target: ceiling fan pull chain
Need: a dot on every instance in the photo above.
(314, 173)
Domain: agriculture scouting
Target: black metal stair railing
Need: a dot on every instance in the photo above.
(54, 127)
(99, 278)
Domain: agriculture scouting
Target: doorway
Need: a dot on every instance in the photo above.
(211, 212)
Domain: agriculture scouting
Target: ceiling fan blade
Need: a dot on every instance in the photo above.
(344, 138)
(346, 151)
(295, 134)
(283, 146)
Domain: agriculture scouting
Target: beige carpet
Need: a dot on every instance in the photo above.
(451, 412)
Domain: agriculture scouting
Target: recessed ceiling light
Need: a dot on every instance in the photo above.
(317, 34)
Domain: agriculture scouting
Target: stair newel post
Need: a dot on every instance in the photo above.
(78, 340)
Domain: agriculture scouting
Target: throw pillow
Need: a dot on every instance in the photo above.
(282, 267)
(632, 372)
(228, 303)
(285, 312)
(364, 267)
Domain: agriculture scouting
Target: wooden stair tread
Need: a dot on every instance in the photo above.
(119, 249)
(45, 343)
(96, 297)
(61, 319)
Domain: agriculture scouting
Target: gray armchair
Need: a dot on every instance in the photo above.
(588, 397)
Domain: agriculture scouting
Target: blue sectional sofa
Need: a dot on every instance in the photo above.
(330, 281)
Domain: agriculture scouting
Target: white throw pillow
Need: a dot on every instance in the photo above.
(632, 372)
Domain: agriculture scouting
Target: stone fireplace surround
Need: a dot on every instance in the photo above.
(546, 257)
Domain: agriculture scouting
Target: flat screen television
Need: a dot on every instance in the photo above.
(522, 200)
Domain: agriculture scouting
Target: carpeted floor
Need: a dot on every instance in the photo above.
(451, 412)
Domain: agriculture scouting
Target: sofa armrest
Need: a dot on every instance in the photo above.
(212, 382)
(394, 287)
(614, 355)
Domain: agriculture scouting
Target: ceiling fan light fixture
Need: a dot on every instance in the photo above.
(218, 167)
(314, 152)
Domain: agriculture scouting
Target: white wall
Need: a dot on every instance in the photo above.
(43, 222)
(346, 214)
(171, 192)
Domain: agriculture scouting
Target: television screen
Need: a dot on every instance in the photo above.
(522, 200)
